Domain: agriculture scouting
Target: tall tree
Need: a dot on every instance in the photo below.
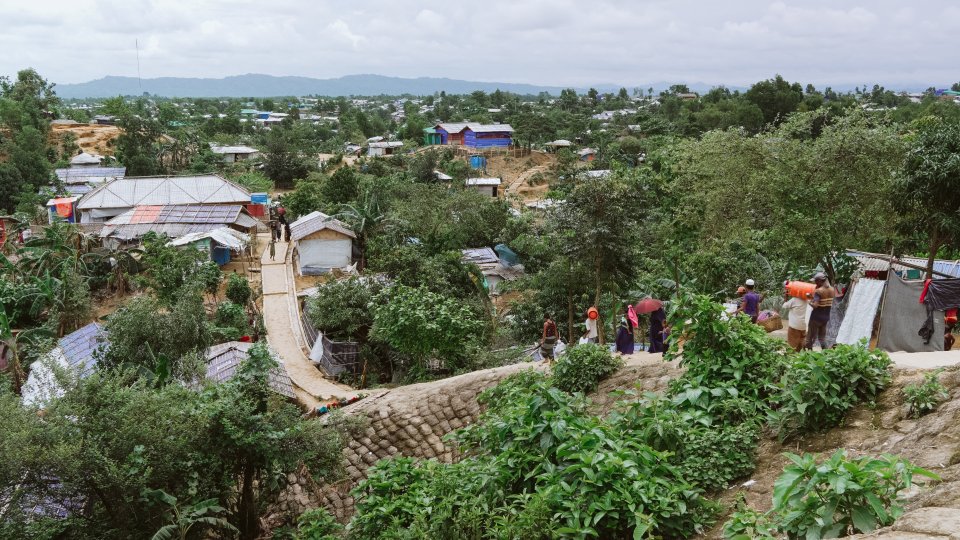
(596, 226)
(927, 191)
(776, 98)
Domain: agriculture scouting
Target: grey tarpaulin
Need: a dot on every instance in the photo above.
(837, 313)
(903, 314)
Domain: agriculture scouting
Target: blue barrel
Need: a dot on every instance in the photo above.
(478, 162)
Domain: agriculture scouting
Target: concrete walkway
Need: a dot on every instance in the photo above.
(283, 331)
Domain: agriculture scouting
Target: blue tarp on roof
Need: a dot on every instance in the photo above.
(79, 347)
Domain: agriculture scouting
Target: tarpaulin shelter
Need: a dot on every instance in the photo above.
(75, 353)
(218, 243)
(322, 243)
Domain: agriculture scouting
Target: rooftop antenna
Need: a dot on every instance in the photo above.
(139, 80)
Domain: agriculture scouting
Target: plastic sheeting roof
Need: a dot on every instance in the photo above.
(164, 190)
(85, 159)
(224, 359)
(224, 236)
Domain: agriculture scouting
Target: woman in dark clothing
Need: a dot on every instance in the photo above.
(286, 232)
(657, 318)
(624, 339)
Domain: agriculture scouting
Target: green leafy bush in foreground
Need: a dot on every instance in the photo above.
(537, 466)
(926, 396)
(841, 495)
(721, 351)
(818, 388)
(583, 367)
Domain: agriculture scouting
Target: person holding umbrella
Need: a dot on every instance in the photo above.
(657, 319)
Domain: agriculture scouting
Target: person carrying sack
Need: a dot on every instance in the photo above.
(548, 341)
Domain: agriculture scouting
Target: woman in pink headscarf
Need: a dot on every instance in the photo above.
(632, 317)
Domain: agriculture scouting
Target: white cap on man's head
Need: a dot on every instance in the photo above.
(749, 283)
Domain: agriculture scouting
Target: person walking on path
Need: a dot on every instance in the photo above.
(657, 320)
(796, 321)
(822, 302)
(286, 232)
(751, 302)
(548, 340)
(624, 340)
(273, 249)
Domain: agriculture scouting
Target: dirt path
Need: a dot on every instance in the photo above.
(279, 316)
(525, 194)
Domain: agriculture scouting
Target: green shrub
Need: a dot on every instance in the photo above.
(926, 396)
(819, 388)
(583, 367)
(537, 465)
(708, 455)
(713, 457)
(745, 523)
(238, 290)
(840, 496)
(342, 309)
(230, 315)
(318, 524)
(721, 351)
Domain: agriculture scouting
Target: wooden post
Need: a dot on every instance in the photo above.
(883, 300)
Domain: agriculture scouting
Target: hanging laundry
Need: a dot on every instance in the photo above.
(943, 294)
(860, 313)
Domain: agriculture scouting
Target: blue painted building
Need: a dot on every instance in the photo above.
(473, 135)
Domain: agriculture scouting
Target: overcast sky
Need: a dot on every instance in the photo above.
(548, 42)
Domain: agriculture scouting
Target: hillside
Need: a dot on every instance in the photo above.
(256, 85)
(412, 420)
(259, 85)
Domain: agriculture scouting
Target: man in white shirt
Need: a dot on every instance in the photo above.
(796, 321)
(591, 333)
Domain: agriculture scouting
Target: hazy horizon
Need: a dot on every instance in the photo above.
(556, 43)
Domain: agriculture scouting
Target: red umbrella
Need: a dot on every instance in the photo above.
(648, 305)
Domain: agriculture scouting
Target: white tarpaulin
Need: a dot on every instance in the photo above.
(224, 236)
(326, 254)
(861, 311)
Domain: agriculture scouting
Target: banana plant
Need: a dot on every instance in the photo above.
(183, 519)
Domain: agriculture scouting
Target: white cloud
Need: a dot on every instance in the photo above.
(557, 42)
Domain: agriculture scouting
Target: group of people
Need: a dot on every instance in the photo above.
(801, 333)
(624, 341)
(279, 229)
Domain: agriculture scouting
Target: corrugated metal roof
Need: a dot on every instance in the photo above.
(317, 221)
(165, 190)
(491, 128)
(78, 347)
(479, 256)
(82, 175)
(224, 359)
(457, 127)
(232, 149)
(386, 144)
(483, 182)
(602, 173)
(870, 263)
(172, 230)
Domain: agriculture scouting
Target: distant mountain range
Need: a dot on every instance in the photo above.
(254, 85)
